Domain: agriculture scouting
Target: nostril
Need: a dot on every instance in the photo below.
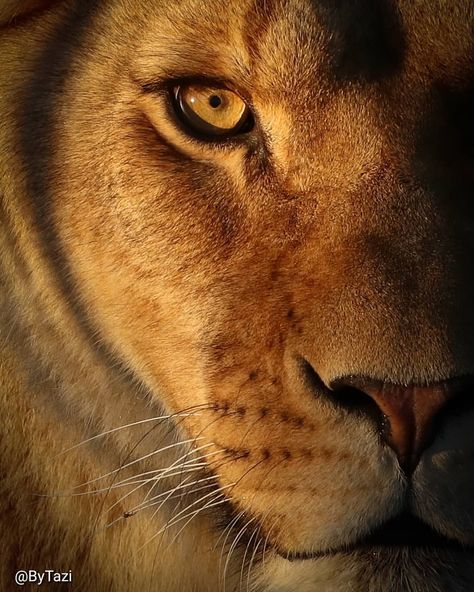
(312, 379)
(358, 402)
(412, 412)
(407, 416)
(345, 396)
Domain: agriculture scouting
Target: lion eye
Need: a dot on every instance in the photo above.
(212, 112)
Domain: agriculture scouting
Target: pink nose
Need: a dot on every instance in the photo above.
(411, 412)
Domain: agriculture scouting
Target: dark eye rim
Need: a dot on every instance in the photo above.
(196, 127)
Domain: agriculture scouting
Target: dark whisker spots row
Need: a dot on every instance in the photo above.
(225, 408)
(266, 453)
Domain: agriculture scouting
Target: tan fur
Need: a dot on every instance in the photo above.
(143, 273)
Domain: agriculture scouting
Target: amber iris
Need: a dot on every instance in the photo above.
(211, 111)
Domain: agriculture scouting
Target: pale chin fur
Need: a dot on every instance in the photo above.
(401, 570)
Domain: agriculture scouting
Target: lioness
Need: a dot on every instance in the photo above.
(236, 286)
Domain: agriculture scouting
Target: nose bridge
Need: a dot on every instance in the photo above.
(388, 297)
(383, 279)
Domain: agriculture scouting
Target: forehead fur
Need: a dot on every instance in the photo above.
(280, 43)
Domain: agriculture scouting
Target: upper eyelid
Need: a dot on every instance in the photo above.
(164, 84)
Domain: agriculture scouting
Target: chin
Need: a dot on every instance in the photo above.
(371, 569)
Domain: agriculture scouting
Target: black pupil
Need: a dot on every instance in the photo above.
(215, 101)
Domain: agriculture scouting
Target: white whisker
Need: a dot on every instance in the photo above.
(176, 519)
(185, 466)
(142, 506)
(128, 425)
(195, 513)
(249, 542)
(228, 528)
(249, 573)
(235, 542)
(166, 499)
(182, 443)
(189, 466)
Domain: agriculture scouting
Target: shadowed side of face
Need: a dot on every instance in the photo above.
(252, 270)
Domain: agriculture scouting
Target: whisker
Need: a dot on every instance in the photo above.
(233, 546)
(177, 505)
(126, 495)
(191, 466)
(187, 493)
(133, 480)
(153, 501)
(170, 446)
(165, 500)
(249, 573)
(193, 515)
(176, 519)
(128, 425)
(214, 465)
(228, 528)
(194, 463)
(171, 522)
(247, 546)
(123, 465)
(157, 473)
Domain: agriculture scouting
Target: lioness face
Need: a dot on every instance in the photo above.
(265, 211)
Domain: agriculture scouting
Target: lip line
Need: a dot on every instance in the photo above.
(393, 534)
(369, 542)
(361, 547)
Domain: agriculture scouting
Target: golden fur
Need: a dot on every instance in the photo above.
(145, 273)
